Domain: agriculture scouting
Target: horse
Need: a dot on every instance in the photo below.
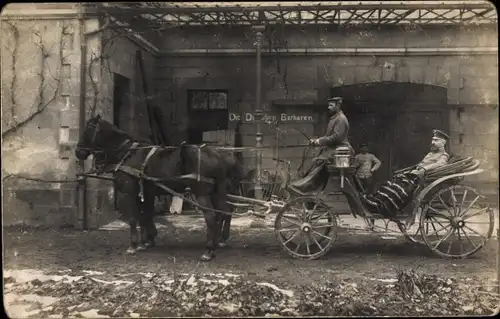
(208, 174)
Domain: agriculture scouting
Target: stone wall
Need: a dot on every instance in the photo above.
(470, 80)
(40, 92)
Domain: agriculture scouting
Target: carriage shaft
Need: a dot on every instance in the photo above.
(248, 200)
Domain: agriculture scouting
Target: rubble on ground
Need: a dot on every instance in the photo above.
(223, 295)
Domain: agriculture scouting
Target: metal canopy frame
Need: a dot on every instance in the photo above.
(161, 15)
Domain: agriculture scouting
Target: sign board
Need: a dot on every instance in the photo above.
(282, 117)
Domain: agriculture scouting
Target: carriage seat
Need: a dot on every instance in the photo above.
(456, 165)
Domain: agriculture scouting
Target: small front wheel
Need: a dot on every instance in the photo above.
(306, 228)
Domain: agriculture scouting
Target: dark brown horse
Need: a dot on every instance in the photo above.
(114, 149)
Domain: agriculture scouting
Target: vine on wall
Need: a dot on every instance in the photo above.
(47, 77)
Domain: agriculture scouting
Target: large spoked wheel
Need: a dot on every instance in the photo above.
(306, 228)
(457, 222)
(412, 233)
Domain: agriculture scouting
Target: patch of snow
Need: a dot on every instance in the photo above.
(20, 311)
(134, 315)
(92, 313)
(93, 272)
(27, 275)
(384, 280)
(220, 281)
(114, 282)
(288, 293)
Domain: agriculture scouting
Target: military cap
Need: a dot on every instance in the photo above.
(440, 134)
(335, 99)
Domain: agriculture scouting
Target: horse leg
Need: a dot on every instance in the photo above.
(127, 206)
(226, 227)
(149, 224)
(213, 229)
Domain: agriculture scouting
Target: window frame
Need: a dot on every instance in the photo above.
(207, 107)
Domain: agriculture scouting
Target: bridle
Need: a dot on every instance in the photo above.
(96, 127)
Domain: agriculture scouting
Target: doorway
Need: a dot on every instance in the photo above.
(207, 111)
(395, 119)
(121, 98)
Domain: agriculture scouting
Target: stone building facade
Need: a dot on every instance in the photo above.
(397, 83)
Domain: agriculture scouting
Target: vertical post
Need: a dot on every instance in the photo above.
(258, 111)
(82, 181)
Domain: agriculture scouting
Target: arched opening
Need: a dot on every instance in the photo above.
(395, 119)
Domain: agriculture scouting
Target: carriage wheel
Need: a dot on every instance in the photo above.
(412, 234)
(457, 222)
(306, 228)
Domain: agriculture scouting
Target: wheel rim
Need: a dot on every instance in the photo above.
(413, 234)
(306, 228)
(457, 222)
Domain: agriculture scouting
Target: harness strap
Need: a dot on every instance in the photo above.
(148, 157)
(134, 145)
(199, 160)
(141, 172)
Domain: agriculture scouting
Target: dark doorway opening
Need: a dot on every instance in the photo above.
(395, 119)
(207, 111)
(121, 98)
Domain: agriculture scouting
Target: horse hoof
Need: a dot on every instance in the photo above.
(131, 251)
(222, 244)
(207, 257)
(149, 244)
(141, 248)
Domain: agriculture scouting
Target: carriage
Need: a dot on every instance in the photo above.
(445, 214)
(306, 226)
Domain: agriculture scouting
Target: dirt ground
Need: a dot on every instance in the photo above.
(253, 253)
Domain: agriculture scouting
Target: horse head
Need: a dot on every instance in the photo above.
(99, 137)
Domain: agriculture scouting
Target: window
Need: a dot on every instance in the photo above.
(207, 110)
(207, 100)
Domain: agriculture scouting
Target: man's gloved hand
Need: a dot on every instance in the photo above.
(419, 171)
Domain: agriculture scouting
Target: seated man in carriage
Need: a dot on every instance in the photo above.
(393, 196)
(336, 135)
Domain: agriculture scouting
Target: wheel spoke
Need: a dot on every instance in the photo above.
(449, 247)
(437, 231)
(437, 221)
(316, 242)
(288, 229)
(463, 201)
(482, 223)
(437, 213)
(442, 240)
(442, 201)
(461, 243)
(454, 199)
(318, 218)
(468, 238)
(320, 234)
(465, 216)
(474, 231)
(291, 222)
(471, 204)
(294, 235)
(324, 226)
(297, 248)
(308, 249)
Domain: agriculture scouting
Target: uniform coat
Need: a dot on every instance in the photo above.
(336, 135)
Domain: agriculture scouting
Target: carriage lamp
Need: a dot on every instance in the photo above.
(342, 160)
(342, 157)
